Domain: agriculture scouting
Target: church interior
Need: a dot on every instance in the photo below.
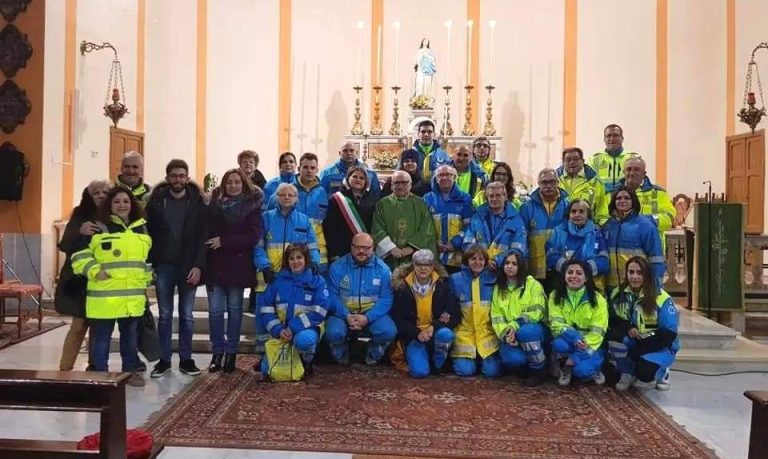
(86, 81)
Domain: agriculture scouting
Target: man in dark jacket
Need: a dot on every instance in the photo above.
(176, 221)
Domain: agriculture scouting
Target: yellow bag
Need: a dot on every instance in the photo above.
(284, 361)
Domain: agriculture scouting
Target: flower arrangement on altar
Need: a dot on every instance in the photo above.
(383, 160)
(420, 102)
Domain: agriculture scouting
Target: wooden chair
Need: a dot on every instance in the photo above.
(17, 290)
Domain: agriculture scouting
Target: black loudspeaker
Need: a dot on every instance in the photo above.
(12, 171)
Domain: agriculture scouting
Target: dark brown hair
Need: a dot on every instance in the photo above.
(561, 292)
(104, 214)
(510, 185)
(248, 154)
(522, 274)
(247, 185)
(632, 196)
(648, 303)
(290, 249)
(471, 251)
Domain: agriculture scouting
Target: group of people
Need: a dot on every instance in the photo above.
(444, 260)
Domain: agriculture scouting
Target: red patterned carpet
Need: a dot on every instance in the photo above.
(380, 411)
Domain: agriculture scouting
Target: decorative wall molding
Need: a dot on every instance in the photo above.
(15, 50)
(14, 106)
(11, 8)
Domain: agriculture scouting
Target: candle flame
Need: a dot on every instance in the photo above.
(449, 24)
(396, 25)
(470, 23)
(359, 24)
(492, 24)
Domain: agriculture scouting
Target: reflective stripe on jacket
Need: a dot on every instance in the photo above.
(360, 289)
(280, 231)
(539, 224)
(474, 334)
(517, 306)
(590, 321)
(295, 301)
(122, 253)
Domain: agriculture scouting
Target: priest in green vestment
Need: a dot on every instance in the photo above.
(402, 223)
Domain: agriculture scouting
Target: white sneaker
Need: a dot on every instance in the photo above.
(665, 383)
(565, 376)
(625, 382)
(644, 385)
(599, 378)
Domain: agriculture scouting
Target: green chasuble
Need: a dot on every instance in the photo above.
(402, 223)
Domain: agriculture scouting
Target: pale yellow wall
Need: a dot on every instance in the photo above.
(528, 76)
(616, 78)
(617, 74)
(100, 21)
(324, 70)
(242, 83)
(171, 86)
(52, 135)
(697, 111)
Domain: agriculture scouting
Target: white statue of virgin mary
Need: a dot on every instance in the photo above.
(425, 69)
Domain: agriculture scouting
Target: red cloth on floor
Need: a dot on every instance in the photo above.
(138, 442)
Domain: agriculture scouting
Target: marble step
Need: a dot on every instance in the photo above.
(248, 325)
(200, 344)
(697, 332)
(744, 355)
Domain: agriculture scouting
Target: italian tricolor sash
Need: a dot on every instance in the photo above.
(350, 214)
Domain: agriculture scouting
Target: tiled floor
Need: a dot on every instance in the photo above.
(712, 408)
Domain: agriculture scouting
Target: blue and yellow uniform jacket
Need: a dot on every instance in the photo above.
(635, 235)
(539, 222)
(450, 214)
(360, 289)
(498, 234)
(295, 301)
(568, 242)
(280, 231)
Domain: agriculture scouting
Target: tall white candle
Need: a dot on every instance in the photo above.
(449, 25)
(360, 53)
(470, 23)
(397, 52)
(378, 57)
(492, 25)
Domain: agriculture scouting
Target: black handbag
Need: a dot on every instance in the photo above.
(148, 339)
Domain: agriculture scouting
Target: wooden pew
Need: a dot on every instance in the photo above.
(758, 441)
(97, 392)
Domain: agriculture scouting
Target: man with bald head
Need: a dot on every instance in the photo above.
(333, 176)
(545, 211)
(654, 200)
(361, 298)
(401, 223)
(132, 175)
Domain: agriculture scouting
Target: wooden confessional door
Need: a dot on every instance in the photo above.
(122, 141)
(745, 179)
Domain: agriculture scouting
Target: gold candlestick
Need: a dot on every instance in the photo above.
(447, 129)
(467, 129)
(395, 128)
(376, 127)
(357, 128)
(489, 129)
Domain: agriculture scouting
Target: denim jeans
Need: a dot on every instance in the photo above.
(222, 299)
(101, 334)
(169, 278)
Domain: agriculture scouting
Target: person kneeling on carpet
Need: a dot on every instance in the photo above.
(293, 307)
(643, 329)
(578, 318)
(361, 299)
(475, 338)
(517, 310)
(425, 313)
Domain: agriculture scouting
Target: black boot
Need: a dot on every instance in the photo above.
(535, 377)
(229, 363)
(215, 363)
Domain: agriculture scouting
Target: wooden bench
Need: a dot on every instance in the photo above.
(758, 441)
(102, 393)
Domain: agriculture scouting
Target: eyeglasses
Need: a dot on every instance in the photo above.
(400, 182)
(177, 176)
(286, 195)
(483, 145)
(547, 182)
(362, 247)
